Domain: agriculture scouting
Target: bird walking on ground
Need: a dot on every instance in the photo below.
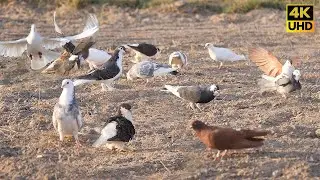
(223, 54)
(281, 78)
(37, 47)
(178, 60)
(148, 69)
(224, 139)
(107, 74)
(66, 118)
(118, 130)
(143, 51)
(196, 95)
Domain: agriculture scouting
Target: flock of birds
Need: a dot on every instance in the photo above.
(106, 68)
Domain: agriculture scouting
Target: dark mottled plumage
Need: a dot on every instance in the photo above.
(144, 48)
(196, 94)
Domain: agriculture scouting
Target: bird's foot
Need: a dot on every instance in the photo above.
(199, 108)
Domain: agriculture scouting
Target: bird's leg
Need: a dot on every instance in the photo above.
(198, 106)
(224, 153)
(191, 104)
(30, 56)
(217, 156)
(103, 86)
(220, 65)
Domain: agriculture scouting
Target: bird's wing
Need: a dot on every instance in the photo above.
(144, 48)
(56, 27)
(83, 46)
(55, 116)
(190, 93)
(13, 48)
(77, 115)
(267, 62)
(92, 26)
(109, 131)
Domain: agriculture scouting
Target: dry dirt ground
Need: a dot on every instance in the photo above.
(165, 146)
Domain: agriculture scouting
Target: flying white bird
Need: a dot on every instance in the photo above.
(282, 78)
(66, 118)
(37, 46)
(178, 60)
(223, 54)
(118, 130)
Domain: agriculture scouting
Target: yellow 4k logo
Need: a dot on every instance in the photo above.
(300, 18)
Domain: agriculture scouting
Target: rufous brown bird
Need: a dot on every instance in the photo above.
(225, 139)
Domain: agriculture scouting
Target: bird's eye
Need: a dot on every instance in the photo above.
(67, 82)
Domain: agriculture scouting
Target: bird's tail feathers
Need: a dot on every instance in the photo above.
(266, 85)
(164, 71)
(40, 61)
(254, 133)
(78, 82)
(100, 142)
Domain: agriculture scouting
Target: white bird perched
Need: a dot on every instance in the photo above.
(148, 69)
(66, 118)
(37, 46)
(222, 54)
(118, 130)
(282, 78)
(178, 59)
(107, 74)
(143, 51)
(194, 94)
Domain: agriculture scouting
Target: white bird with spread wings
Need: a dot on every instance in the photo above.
(38, 47)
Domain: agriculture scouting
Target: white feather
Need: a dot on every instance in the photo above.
(223, 54)
(46, 57)
(173, 89)
(180, 55)
(56, 27)
(109, 131)
(13, 48)
(78, 82)
(162, 71)
(97, 57)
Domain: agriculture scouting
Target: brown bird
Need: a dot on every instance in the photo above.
(62, 65)
(224, 139)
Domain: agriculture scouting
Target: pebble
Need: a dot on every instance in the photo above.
(317, 133)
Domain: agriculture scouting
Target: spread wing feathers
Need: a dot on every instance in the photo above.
(267, 62)
(108, 132)
(56, 27)
(92, 26)
(47, 57)
(13, 48)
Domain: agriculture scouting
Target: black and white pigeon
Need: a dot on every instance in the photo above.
(148, 69)
(196, 95)
(66, 118)
(118, 130)
(37, 47)
(143, 51)
(107, 74)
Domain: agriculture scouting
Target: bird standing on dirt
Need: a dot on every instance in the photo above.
(223, 54)
(225, 139)
(118, 130)
(281, 78)
(107, 74)
(178, 60)
(148, 69)
(143, 51)
(194, 94)
(66, 118)
(37, 46)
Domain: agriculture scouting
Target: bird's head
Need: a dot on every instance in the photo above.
(197, 125)
(67, 83)
(207, 45)
(125, 110)
(121, 49)
(296, 75)
(214, 89)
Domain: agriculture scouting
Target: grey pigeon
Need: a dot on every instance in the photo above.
(118, 130)
(148, 69)
(194, 94)
(66, 118)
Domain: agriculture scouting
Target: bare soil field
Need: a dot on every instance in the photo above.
(165, 145)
